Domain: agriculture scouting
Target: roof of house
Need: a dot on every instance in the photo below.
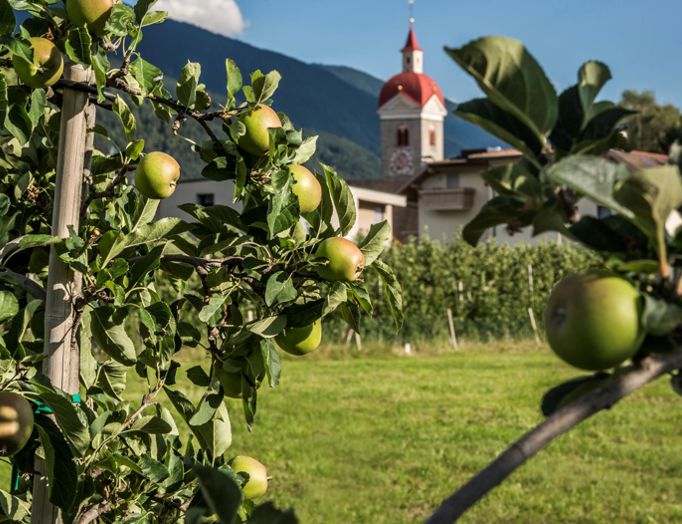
(389, 184)
(416, 86)
(637, 160)
(411, 44)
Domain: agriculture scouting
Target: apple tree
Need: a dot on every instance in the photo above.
(622, 322)
(95, 292)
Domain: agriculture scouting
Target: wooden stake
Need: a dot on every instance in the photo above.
(62, 286)
(358, 341)
(453, 334)
(534, 325)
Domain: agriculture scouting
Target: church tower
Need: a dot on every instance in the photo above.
(412, 112)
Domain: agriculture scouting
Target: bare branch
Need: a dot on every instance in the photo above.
(93, 512)
(619, 386)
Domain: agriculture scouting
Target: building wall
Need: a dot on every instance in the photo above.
(444, 225)
(188, 193)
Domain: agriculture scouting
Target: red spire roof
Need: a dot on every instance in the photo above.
(411, 44)
(417, 86)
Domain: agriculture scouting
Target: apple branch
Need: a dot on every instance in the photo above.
(619, 386)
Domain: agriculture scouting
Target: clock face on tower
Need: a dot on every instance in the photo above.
(400, 162)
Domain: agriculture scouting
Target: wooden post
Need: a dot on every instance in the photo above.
(453, 334)
(62, 285)
(534, 325)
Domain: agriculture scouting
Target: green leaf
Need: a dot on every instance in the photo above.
(591, 177)
(592, 77)
(512, 79)
(234, 79)
(218, 219)
(152, 426)
(217, 433)
(62, 473)
(78, 44)
(221, 493)
(651, 195)
(112, 338)
(15, 508)
(499, 210)
(7, 20)
(660, 317)
(66, 415)
(146, 214)
(341, 196)
(187, 84)
(279, 289)
(484, 113)
(302, 315)
(512, 179)
(126, 117)
(375, 242)
(283, 207)
(9, 306)
(268, 327)
(264, 86)
(152, 469)
(147, 235)
(306, 150)
(393, 290)
(208, 406)
(273, 365)
(212, 312)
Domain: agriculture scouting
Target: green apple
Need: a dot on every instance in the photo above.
(593, 321)
(47, 66)
(257, 484)
(346, 261)
(16, 423)
(301, 341)
(157, 175)
(257, 122)
(93, 13)
(307, 189)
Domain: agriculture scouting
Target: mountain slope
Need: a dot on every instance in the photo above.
(311, 95)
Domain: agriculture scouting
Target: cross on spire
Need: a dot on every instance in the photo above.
(410, 3)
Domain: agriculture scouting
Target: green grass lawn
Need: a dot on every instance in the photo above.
(384, 440)
(377, 439)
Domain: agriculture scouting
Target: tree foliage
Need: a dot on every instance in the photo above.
(656, 126)
(109, 456)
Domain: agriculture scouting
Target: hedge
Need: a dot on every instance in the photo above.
(487, 288)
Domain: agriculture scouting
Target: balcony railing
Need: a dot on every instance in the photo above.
(454, 199)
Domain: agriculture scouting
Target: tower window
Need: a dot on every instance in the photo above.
(432, 136)
(403, 137)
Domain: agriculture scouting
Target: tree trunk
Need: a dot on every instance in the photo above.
(62, 360)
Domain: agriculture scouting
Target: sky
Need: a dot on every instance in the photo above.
(640, 41)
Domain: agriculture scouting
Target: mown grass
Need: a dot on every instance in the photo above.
(383, 440)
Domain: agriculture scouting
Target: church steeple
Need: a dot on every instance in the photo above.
(413, 55)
